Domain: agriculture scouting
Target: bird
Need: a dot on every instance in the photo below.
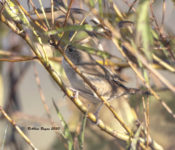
(100, 77)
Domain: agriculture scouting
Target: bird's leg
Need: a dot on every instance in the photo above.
(75, 92)
(98, 110)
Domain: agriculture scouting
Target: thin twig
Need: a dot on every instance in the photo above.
(52, 12)
(37, 14)
(27, 14)
(13, 123)
(163, 15)
(68, 12)
(148, 66)
(44, 100)
(18, 59)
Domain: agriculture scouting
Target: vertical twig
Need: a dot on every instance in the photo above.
(52, 12)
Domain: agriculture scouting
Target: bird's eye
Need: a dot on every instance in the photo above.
(70, 49)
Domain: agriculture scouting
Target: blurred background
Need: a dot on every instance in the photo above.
(21, 97)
